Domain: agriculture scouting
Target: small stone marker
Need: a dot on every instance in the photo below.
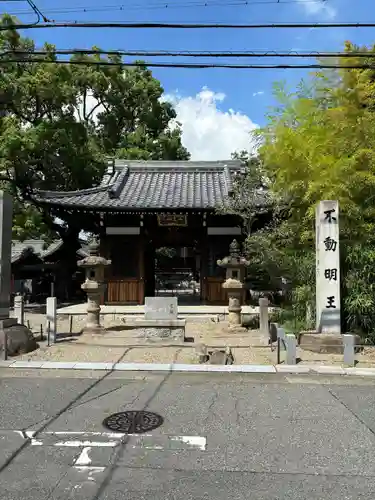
(19, 311)
(51, 318)
(291, 349)
(281, 335)
(161, 308)
(263, 316)
(349, 356)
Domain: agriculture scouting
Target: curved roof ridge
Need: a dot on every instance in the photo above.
(61, 194)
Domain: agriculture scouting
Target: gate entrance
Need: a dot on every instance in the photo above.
(177, 273)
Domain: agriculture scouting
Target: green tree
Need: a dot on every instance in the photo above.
(59, 122)
(320, 144)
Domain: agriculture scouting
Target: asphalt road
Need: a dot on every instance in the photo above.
(260, 437)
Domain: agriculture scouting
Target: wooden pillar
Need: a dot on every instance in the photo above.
(105, 252)
(141, 268)
(204, 265)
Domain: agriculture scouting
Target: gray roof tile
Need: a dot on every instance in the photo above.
(39, 248)
(136, 185)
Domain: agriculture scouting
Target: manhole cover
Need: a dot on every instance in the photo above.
(133, 422)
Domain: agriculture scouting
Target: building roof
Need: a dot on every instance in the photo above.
(137, 185)
(21, 249)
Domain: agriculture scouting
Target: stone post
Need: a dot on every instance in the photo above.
(235, 265)
(94, 286)
(263, 316)
(6, 216)
(14, 338)
(327, 335)
(328, 318)
(19, 312)
(291, 349)
(52, 318)
(349, 349)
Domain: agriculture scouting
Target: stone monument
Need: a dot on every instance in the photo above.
(94, 286)
(235, 265)
(14, 338)
(327, 336)
(328, 317)
(160, 322)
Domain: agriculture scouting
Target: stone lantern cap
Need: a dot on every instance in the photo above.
(234, 259)
(94, 259)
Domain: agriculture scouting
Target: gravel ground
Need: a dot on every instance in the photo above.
(114, 346)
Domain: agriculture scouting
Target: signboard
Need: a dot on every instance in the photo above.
(161, 308)
(172, 220)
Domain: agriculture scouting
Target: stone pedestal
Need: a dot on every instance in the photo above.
(93, 286)
(325, 343)
(234, 288)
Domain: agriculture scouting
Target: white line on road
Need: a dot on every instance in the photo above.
(80, 444)
(111, 439)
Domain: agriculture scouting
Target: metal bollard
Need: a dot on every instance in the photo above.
(71, 323)
(349, 351)
(49, 334)
(291, 349)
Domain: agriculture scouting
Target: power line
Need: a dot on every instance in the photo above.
(188, 25)
(39, 14)
(166, 5)
(192, 53)
(145, 64)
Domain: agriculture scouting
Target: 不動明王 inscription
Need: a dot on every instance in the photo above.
(328, 318)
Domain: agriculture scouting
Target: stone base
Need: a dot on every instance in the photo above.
(154, 330)
(20, 339)
(93, 330)
(324, 343)
(236, 329)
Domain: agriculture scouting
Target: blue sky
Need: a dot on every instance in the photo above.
(240, 97)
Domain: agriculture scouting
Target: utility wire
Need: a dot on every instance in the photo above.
(39, 14)
(145, 64)
(102, 25)
(167, 5)
(192, 53)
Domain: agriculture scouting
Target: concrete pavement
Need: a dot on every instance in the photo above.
(258, 436)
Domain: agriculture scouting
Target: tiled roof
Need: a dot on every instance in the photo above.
(38, 247)
(136, 185)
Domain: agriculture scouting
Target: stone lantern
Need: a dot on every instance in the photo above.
(235, 265)
(94, 286)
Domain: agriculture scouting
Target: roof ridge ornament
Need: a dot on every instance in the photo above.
(114, 189)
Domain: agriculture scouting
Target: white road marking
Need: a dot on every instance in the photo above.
(84, 458)
(89, 469)
(199, 442)
(79, 444)
(110, 439)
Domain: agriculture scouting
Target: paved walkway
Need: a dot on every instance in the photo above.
(182, 310)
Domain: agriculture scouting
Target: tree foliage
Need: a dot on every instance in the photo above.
(58, 123)
(319, 143)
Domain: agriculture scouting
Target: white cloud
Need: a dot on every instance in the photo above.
(318, 7)
(260, 92)
(208, 132)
